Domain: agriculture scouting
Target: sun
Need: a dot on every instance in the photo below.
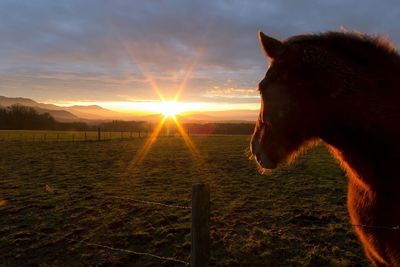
(170, 108)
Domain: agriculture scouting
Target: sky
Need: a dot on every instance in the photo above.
(126, 55)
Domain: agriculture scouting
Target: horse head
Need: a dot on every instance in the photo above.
(291, 109)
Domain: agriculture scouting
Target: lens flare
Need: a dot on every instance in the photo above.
(168, 108)
(142, 153)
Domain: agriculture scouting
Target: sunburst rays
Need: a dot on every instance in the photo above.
(151, 139)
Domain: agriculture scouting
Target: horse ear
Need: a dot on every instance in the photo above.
(272, 47)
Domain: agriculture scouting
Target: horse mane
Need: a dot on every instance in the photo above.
(355, 46)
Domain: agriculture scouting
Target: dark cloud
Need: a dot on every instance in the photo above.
(98, 49)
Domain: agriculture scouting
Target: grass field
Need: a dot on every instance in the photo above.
(55, 193)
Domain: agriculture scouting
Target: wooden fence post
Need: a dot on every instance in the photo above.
(98, 134)
(200, 231)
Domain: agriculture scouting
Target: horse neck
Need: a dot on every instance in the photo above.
(364, 126)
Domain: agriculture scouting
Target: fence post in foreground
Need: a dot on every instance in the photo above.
(200, 231)
(98, 134)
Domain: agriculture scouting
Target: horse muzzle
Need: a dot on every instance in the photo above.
(260, 156)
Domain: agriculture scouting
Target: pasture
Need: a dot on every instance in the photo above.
(58, 198)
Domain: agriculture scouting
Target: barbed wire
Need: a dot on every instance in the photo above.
(120, 249)
(219, 211)
(128, 251)
(87, 243)
(152, 203)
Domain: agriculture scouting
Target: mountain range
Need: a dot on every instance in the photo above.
(68, 114)
(94, 113)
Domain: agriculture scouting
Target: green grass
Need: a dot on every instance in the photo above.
(49, 191)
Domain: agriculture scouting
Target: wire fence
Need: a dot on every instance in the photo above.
(139, 253)
(63, 136)
(93, 244)
(76, 136)
(214, 212)
(152, 203)
(130, 251)
(123, 250)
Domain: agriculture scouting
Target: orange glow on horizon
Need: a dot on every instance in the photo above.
(168, 108)
(141, 107)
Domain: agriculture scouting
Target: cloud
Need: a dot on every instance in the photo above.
(246, 93)
(102, 48)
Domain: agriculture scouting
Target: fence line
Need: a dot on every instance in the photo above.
(219, 211)
(128, 251)
(92, 135)
(199, 231)
(200, 223)
(315, 224)
(120, 249)
(50, 135)
(152, 203)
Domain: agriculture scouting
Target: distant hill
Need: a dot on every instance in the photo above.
(26, 114)
(9, 101)
(232, 116)
(55, 111)
(59, 115)
(95, 114)
(188, 117)
(73, 113)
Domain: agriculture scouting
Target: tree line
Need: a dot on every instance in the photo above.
(19, 117)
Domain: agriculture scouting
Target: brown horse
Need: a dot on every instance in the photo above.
(344, 89)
